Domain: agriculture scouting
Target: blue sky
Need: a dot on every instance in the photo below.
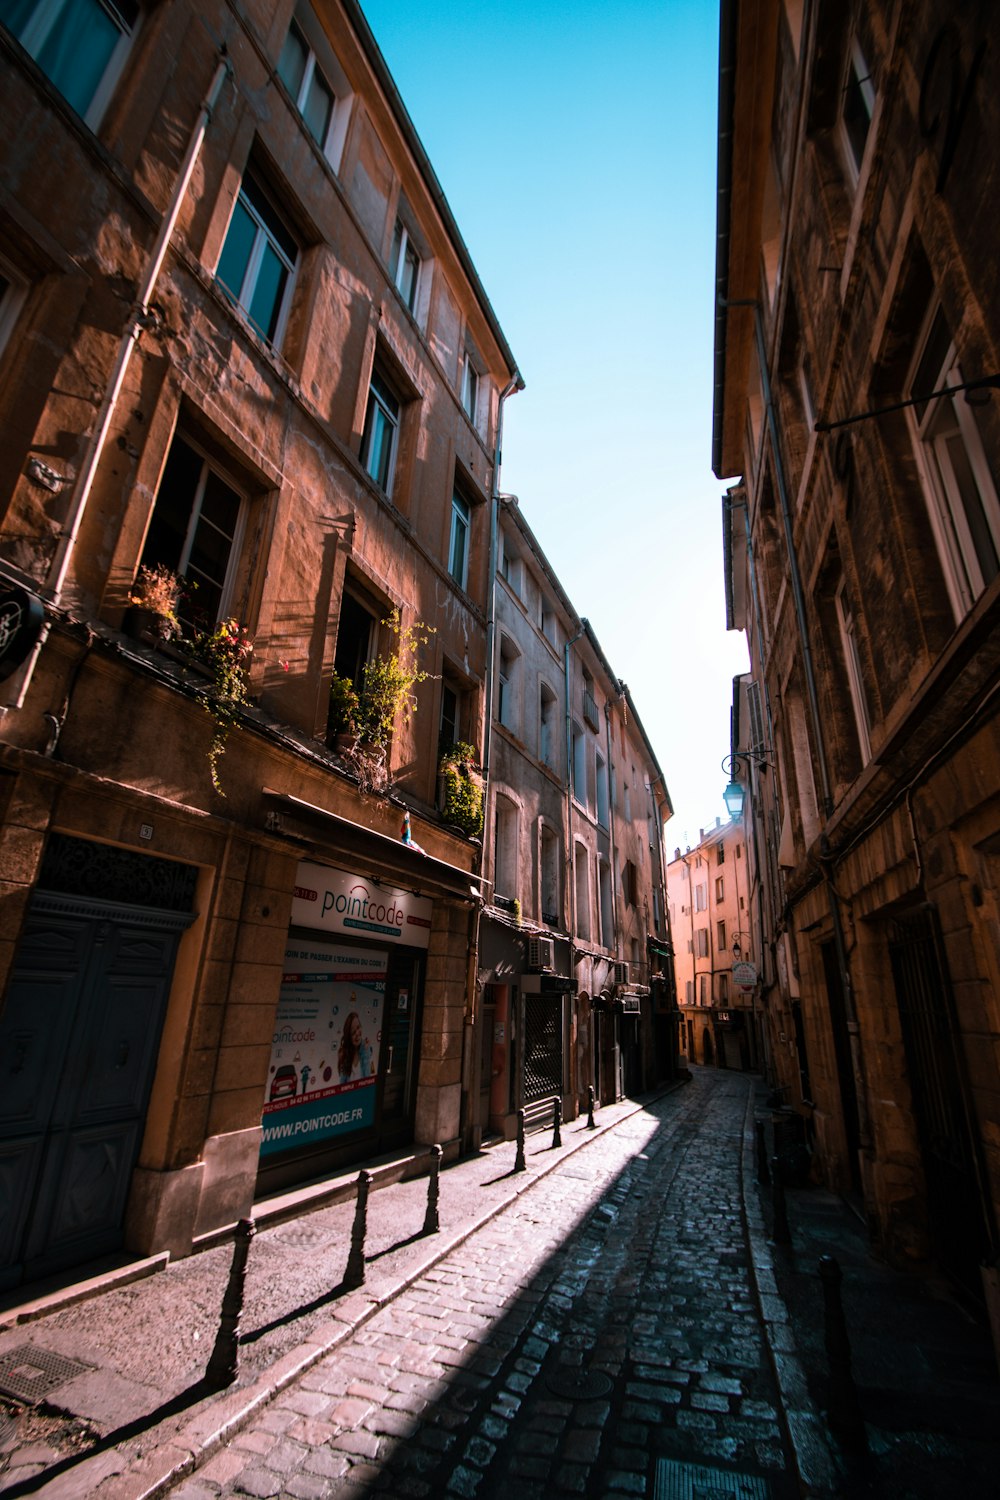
(576, 146)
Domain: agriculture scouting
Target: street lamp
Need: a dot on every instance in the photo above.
(733, 796)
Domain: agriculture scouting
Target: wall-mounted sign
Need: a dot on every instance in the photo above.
(337, 901)
(744, 974)
(325, 1047)
(21, 621)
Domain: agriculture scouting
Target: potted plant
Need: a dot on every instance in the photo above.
(153, 600)
(460, 789)
(225, 651)
(385, 692)
(342, 720)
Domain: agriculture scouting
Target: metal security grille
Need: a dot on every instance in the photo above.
(542, 1046)
(680, 1481)
(956, 1217)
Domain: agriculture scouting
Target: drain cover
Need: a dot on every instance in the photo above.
(676, 1481)
(29, 1372)
(578, 1385)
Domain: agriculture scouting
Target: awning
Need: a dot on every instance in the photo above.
(414, 870)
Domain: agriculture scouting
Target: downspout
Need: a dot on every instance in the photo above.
(471, 1053)
(570, 862)
(141, 317)
(615, 926)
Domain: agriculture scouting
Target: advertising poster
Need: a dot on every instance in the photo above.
(325, 1048)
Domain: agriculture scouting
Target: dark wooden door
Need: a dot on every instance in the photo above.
(79, 1037)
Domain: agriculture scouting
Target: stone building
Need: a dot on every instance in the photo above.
(241, 342)
(856, 376)
(708, 898)
(573, 969)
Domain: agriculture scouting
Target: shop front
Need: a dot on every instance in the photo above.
(345, 1049)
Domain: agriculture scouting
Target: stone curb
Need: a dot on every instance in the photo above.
(808, 1439)
(108, 1476)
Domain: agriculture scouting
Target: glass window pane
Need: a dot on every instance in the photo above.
(408, 281)
(318, 108)
(972, 505)
(292, 63)
(236, 252)
(77, 51)
(265, 303)
(171, 517)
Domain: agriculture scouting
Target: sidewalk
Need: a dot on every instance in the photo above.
(118, 1375)
(926, 1375)
(131, 1395)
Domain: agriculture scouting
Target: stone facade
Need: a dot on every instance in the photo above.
(708, 896)
(241, 339)
(574, 934)
(856, 349)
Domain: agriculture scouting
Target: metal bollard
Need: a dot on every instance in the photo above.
(590, 1107)
(354, 1274)
(845, 1408)
(762, 1173)
(556, 1123)
(225, 1358)
(431, 1222)
(782, 1233)
(520, 1165)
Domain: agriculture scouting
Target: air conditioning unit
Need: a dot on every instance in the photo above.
(621, 973)
(541, 953)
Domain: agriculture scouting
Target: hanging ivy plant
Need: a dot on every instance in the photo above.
(461, 790)
(226, 652)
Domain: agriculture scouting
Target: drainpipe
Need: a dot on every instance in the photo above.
(470, 1052)
(570, 862)
(615, 925)
(514, 385)
(141, 318)
(840, 946)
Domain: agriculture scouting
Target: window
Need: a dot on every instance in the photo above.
(607, 923)
(579, 768)
(720, 854)
(547, 721)
(547, 621)
(404, 265)
(704, 997)
(960, 487)
(505, 849)
(857, 107)
(511, 569)
(380, 437)
(506, 684)
(719, 889)
(700, 897)
(80, 45)
(689, 991)
(195, 528)
(852, 662)
(458, 547)
(589, 701)
(357, 631)
(257, 265)
(721, 935)
(470, 388)
(449, 730)
(582, 893)
(302, 76)
(602, 791)
(13, 291)
(630, 883)
(723, 982)
(701, 942)
(550, 876)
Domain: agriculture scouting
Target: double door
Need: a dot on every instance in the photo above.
(79, 1037)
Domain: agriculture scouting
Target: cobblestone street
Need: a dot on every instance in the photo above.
(597, 1338)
